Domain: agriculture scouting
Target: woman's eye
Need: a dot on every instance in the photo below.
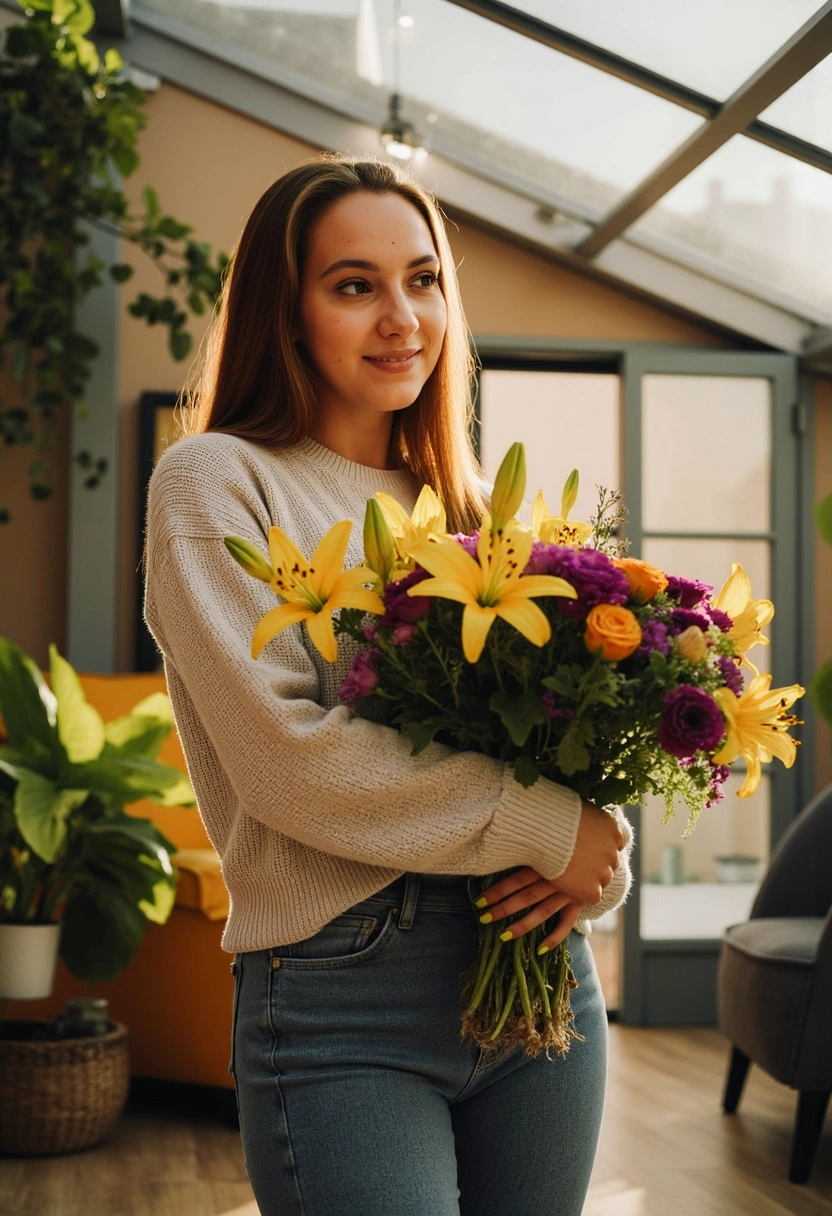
(427, 278)
(354, 287)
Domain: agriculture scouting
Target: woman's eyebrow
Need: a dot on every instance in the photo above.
(358, 264)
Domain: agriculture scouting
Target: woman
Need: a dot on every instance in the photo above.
(339, 366)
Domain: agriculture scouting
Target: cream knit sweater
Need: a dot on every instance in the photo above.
(310, 808)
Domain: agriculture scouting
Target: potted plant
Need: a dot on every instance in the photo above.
(77, 874)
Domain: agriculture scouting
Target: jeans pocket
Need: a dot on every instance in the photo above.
(346, 940)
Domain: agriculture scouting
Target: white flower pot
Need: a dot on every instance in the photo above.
(28, 954)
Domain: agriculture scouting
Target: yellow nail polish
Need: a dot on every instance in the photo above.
(486, 918)
(542, 949)
(482, 902)
(507, 936)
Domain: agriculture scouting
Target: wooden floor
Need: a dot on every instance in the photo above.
(666, 1149)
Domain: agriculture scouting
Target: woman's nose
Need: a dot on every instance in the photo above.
(398, 316)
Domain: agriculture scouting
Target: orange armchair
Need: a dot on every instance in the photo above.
(176, 995)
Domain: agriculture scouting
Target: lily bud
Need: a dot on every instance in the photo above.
(570, 494)
(692, 644)
(249, 557)
(509, 487)
(379, 546)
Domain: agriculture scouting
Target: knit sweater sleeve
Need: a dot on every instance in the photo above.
(329, 780)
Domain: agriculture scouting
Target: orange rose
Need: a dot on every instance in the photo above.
(645, 580)
(614, 629)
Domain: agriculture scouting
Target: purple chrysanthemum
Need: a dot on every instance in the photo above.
(653, 637)
(721, 619)
(404, 609)
(682, 619)
(719, 775)
(691, 721)
(590, 572)
(363, 676)
(688, 591)
(731, 674)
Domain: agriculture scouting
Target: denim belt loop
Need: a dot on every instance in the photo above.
(411, 899)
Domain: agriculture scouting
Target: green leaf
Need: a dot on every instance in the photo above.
(29, 708)
(179, 344)
(136, 735)
(820, 691)
(24, 129)
(525, 771)
(121, 272)
(87, 55)
(519, 713)
(572, 756)
(823, 518)
(151, 202)
(80, 726)
(130, 778)
(420, 734)
(113, 62)
(41, 809)
(101, 934)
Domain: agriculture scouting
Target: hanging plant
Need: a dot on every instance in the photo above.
(69, 126)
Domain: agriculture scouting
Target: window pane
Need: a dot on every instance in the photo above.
(695, 888)
(758, 217)
(710, 561)
(712, 46)
(467, 83)
(566, 420)
(706, 453)
(806, 108)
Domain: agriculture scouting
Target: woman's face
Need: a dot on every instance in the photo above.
(372, 314)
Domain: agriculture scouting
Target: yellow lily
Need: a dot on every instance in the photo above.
(749, 616)
(560, 529)
(757, 723)
(509, 487)
(490, 586)
(428, 517)
(312, 589)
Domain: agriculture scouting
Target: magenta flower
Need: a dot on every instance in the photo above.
(688, 591)
(654, 637)
(468, 542)
(552, 710)
(731, 674)
(682, 619)
(721, 619)
(403, 609)
(691, 721)
(403, 634)
(590, 572)
(363, 676)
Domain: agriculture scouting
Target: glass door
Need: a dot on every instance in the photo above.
(711, 463)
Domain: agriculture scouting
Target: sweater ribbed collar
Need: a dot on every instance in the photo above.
(362, 475)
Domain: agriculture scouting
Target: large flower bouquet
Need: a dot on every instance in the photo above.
(545, 647)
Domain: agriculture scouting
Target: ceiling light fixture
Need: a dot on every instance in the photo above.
(399, 137)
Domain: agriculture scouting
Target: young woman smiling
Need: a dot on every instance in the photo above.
(339, 365)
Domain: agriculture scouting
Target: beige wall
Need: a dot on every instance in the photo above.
(823, 563)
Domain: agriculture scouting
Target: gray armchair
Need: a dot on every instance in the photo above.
(775, 979)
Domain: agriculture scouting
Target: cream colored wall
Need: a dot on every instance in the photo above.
(210, 165)
(823, 564)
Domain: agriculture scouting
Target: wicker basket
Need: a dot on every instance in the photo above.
(63, 1094)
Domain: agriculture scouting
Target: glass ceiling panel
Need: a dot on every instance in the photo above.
(758, 215)
(711, 46)
(467, 83)
(806, 109)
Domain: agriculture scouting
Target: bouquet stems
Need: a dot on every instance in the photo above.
(512, 995)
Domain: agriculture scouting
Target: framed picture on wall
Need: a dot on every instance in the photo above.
(158, 427)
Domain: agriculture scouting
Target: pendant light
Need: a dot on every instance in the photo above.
(399, 137)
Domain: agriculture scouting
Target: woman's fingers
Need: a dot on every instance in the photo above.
(507, 886)
(525, 898)
(566, 922)
(536, 915)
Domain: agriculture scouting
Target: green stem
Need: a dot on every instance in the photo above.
(512, 993)
(541, 987)
(489, 970)
(522, 986)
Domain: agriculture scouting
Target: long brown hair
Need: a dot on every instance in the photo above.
(252, 381)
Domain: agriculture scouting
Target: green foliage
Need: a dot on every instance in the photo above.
(67, 849)
(69, 127)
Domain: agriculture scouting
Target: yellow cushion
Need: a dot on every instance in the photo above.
(200, 883)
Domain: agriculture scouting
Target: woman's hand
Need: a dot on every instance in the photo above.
(528, 889)
(594, 860)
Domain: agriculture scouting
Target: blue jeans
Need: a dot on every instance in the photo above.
(358, 1097)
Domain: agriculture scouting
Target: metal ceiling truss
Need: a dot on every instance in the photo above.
(738, 115)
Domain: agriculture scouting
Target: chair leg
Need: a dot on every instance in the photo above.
(811, 1110)
(737, 1072)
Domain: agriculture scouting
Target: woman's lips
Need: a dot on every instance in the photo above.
(401, 361)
